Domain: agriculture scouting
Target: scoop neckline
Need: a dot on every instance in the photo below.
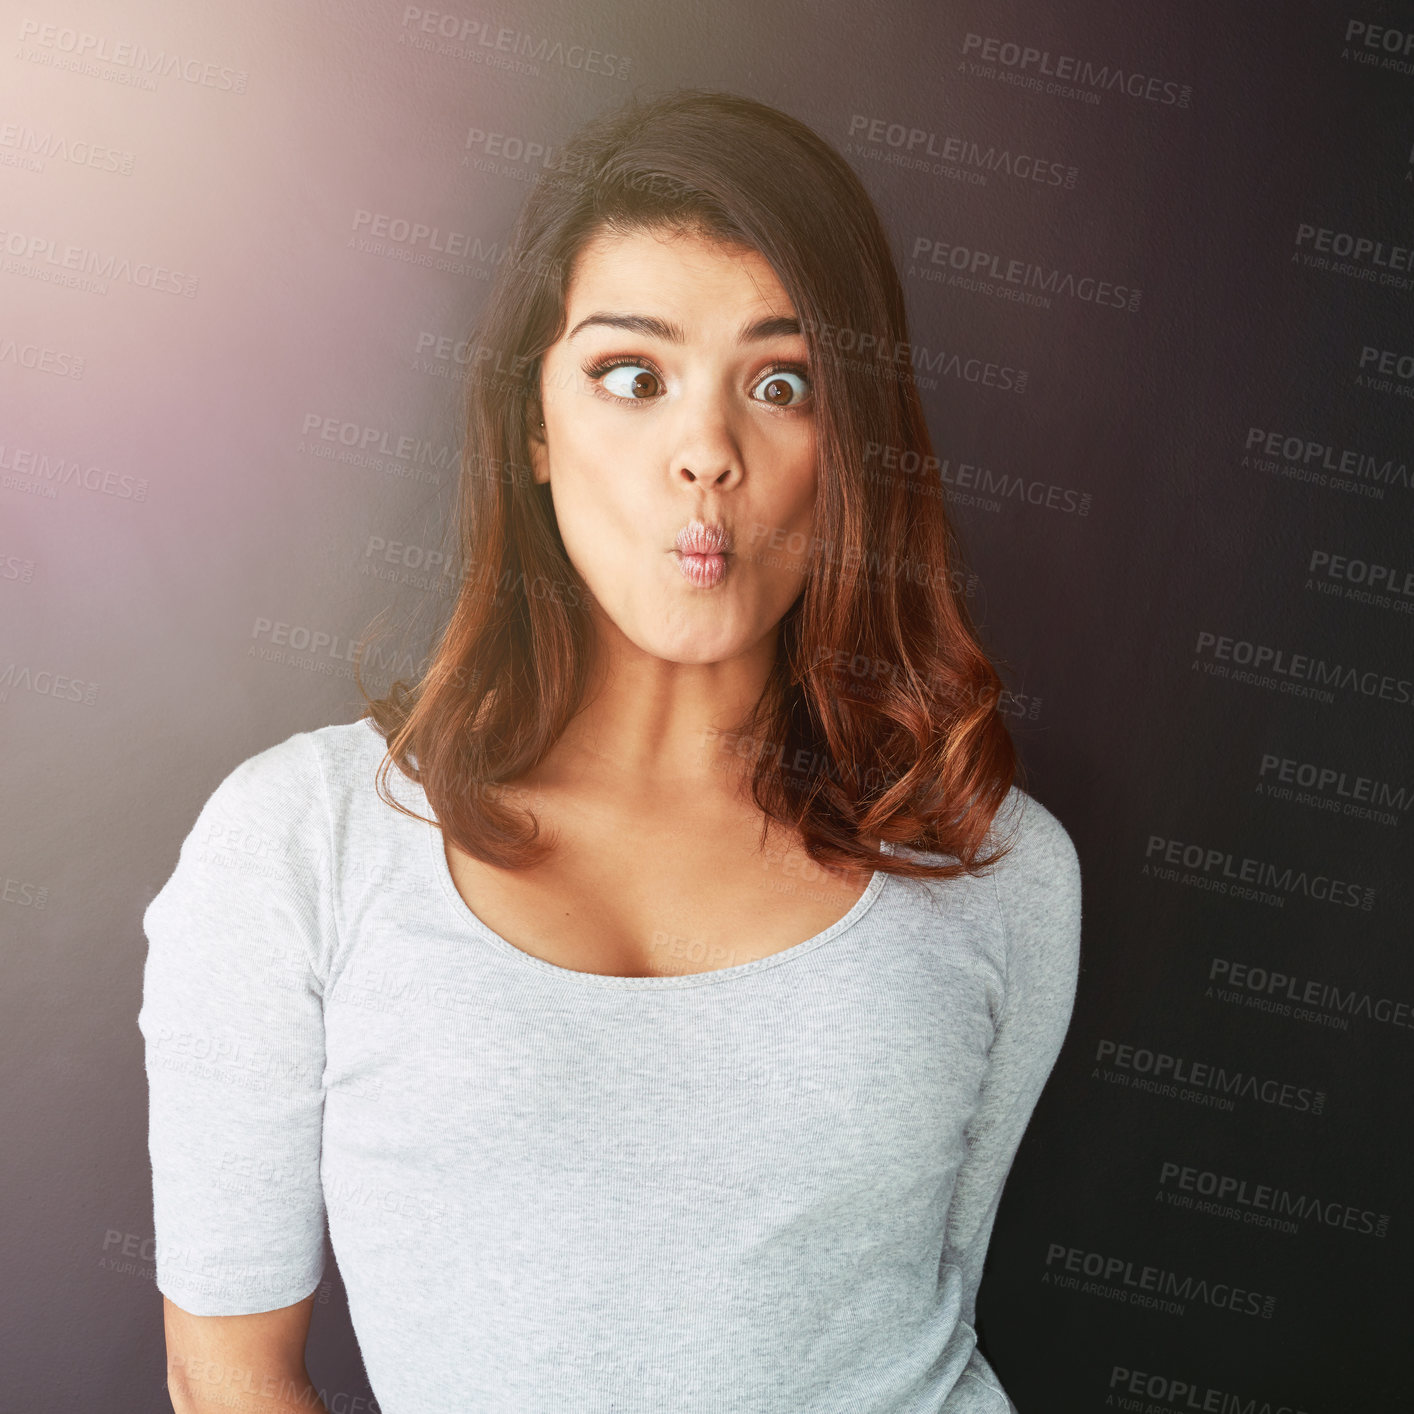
(466, 916)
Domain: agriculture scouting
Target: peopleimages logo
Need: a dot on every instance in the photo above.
(44, 682)
(1362, 256)
(1202, 861)
(41, 358)
(1019, 280)
(53, 470)
(64, 48)
(1384, 42)
(357, 444)
(863, 350)
(1364, 248)
(1262, 1204)
(500, 46)
(486, 151)
(1186, 1395)
(44, 258)
(1301, 674)
(1300, 458)
(1117, 1277)
(1332, 789)
(1030, 68)
(1143, 1069)
(33, 148)
(946, 154)
(1390, 364)
(1382, 586)
(1300, 998)
(989, 488)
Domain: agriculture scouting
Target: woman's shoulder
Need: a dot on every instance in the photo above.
(1039, 846)
(348, 753)
(268, 836)
(1029, 846)
(337, 751)
(297, 785)
(1037, 883)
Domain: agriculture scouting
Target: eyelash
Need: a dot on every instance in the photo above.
(597, 368)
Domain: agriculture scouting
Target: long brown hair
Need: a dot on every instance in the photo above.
(880, 717)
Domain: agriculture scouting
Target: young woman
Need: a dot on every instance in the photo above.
(658, 1036)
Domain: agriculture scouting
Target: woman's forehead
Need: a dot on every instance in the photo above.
(668, 274)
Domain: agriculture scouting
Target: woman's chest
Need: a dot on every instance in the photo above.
(664, 905)
(856, 1064)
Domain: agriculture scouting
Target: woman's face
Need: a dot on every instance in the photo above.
(679, 398)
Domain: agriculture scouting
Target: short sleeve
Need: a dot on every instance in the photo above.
(1037, 891)
(239, 941)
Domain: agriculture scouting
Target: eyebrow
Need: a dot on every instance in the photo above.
(771, 327)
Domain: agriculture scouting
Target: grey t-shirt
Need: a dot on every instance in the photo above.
(766, 1188)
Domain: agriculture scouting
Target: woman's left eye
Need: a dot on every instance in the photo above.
(779, 391)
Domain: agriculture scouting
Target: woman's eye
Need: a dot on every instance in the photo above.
(778, 390)
(637, 383)
(631, 381)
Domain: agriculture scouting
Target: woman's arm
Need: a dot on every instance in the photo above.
(240, 1363)
(239, 940)
(1038, 895)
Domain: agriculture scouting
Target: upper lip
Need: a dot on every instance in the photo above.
(701, 538)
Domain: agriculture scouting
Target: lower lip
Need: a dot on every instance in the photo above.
(702, 570)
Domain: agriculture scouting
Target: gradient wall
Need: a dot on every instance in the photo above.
(1159, 263)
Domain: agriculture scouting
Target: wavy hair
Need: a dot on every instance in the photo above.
(881, 714)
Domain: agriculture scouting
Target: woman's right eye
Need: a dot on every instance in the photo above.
(633, 382)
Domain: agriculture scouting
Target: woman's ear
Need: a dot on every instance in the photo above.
(535, 440)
